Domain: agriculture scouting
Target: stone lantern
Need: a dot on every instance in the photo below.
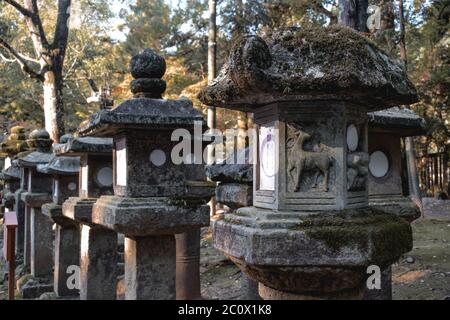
(64, 171)
(235, 190)
(39, 191)
(386, 128)
(16, 143)
(154, 198)
(11, 180)
(310, 233)
(98, 245)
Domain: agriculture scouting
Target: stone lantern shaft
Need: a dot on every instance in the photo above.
(39, 247)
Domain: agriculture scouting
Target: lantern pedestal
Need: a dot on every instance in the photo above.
(41, 235)
(149, 225)
(322, 255)
(64, 171)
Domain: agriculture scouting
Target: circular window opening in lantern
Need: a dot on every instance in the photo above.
(352, 137)
(379, 164)
(158, 157)
(72, 186)
(104, 177)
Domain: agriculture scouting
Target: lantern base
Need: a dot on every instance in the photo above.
(312, 255)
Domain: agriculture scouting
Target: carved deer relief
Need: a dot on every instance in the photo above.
(300, 160)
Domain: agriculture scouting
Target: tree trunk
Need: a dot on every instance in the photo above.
(353, 14)
(53, 105)
(51, 58)
(413, 179)
(212, 58)
(402, 33)
(409, 141)
(212, 47)
(387, 28)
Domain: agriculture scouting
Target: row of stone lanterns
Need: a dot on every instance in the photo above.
(98, 247)
(311, 232)
(127, 185)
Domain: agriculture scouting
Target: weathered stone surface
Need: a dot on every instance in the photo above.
(147, 64)
(34, 158)
(147, 107)
(61, 166)
(79, 209)
(54, 212)
(67, 254)
(147, 84)
(8, 199)
(40, 141)
(347, 239)
(234, 195)
(150, 268)
(309, 64)
(148, 216)
(140, 113)
(48, 296)
(154, 198)
(34, 288)
(65, 138)
(84, 145)
(19, 208)
(22, 235)
(15, 142)
(387, 191)
(226, 172)
(401, 122)
(187, 265)
(92, 165)
(403, 207)
(250, 288)
(41, 235)
(11, 173)
(36, 200)
(98, 264)
(355, 293)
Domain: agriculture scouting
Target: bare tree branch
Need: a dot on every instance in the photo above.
(35, 28)
(21, 61)
(318, 6)
(19, 8)
(75, 60)
(28, 58)
(5, 59)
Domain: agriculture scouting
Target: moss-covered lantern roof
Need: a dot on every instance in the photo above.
(295, 64)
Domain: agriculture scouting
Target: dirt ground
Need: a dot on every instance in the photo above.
(423, 273)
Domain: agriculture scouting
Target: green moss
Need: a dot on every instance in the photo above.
(341, 50)
(385, 234)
